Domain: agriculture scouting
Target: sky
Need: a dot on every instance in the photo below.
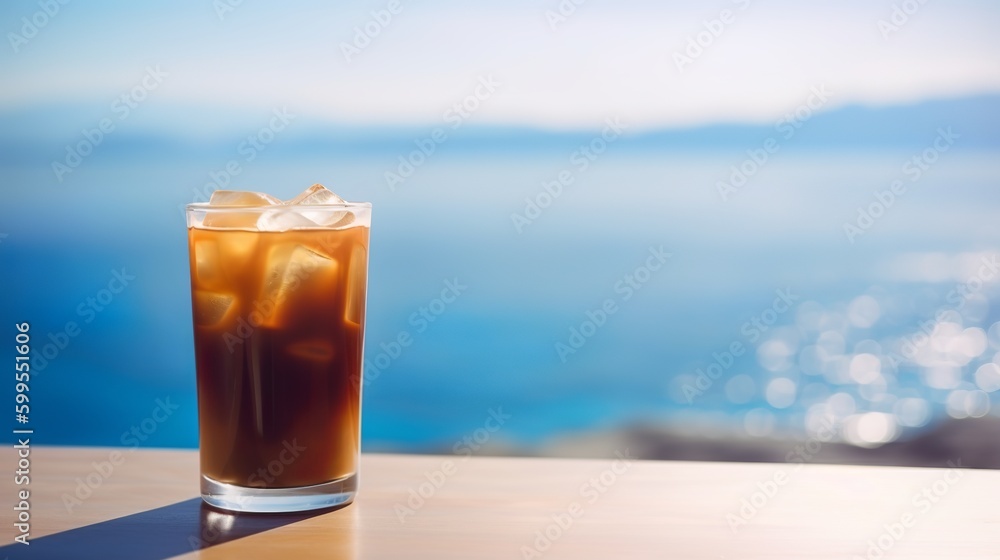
(556, 65)
(547, 64)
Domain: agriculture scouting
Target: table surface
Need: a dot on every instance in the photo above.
(439, 507)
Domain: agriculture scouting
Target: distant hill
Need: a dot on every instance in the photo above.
(976, 119)
(40, 132)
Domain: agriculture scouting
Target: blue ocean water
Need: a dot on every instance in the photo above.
(497, 345)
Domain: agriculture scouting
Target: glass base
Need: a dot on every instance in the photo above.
(331, 494)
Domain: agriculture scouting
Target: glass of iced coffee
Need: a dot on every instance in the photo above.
(278, 294)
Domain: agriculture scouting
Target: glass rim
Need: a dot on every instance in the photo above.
(205, 206)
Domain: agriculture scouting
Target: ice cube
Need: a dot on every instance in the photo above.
(230, 220)
(242, 198)
(320, 195)
(236, 199)
(292, 269)
(210, 308)
(335, 219)
(280, 219)
(207, 263)
(316, 194)
(357, 282)
(316, 350)
(236, 248)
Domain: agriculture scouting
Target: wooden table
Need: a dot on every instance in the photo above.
(147, 507)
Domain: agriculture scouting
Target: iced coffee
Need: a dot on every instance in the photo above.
(278, 301)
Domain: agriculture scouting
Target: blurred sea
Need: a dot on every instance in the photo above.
(830, 357)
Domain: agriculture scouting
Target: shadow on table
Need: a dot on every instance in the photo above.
(155, 534)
